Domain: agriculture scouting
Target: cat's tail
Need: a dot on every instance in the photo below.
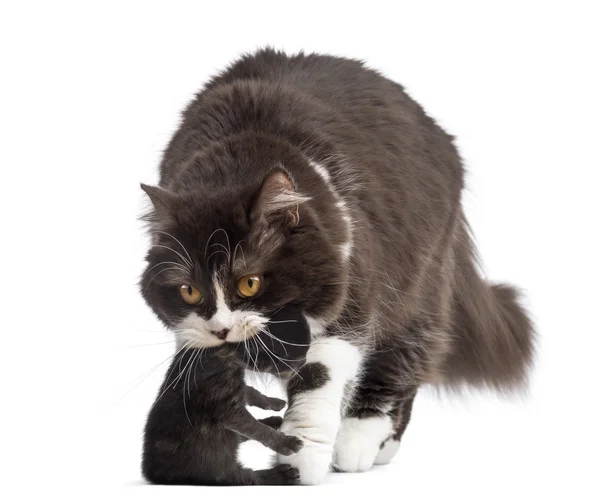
(493, 340)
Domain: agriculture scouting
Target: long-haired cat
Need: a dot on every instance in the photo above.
(312, 180)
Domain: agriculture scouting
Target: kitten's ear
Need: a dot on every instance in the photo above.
(163, 200)
(277, 201)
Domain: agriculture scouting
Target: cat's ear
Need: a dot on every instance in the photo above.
(277, 203)
(163, 200)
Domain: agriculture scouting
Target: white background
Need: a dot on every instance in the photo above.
(90, 93)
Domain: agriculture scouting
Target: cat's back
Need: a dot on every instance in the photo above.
(346, 85)
(364, 115)
(315, 71)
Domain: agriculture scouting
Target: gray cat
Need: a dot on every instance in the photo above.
(312, 180)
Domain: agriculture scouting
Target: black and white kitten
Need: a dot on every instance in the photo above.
(199, 418)
(314, 181)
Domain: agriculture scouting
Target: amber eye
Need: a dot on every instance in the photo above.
(249, 285)
(190, 294)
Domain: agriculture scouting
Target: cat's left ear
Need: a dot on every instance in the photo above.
(278, 201)
(163, 200)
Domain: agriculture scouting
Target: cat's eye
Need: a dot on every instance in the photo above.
(190, 294)
(249, 285)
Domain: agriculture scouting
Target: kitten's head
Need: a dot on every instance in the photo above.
(225, 256)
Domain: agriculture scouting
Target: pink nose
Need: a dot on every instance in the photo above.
(221, 335)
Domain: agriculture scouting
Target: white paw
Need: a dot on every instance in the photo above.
(313, 460)
(358, 442)
(386, 454)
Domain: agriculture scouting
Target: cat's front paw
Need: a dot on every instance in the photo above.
(289, 445)
(274, 404)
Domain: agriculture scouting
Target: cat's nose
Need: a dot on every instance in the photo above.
(222, 334)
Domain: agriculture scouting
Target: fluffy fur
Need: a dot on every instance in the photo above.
(331, 181)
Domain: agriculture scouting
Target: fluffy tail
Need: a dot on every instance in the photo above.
(493, 337)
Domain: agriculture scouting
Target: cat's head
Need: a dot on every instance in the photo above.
(224, 257)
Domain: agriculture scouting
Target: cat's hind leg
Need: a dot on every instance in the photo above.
(390, 446)
(371, 436)
(242, 476)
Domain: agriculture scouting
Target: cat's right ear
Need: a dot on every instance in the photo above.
(163, 200)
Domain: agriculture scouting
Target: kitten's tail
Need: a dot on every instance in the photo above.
(493, 337)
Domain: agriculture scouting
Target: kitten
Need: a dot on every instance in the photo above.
(316, 181)
(199, 418)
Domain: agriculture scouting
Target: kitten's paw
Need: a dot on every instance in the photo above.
(274, 422)
(278, 475)
(290, 445)
(275, 404)
(359, 442)
(285, 474)
(289, 473)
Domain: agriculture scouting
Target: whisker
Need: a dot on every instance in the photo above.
(181, 375)
(167, 384)
(145, 376)
(187, 373)
(176, 252)
(283, 341)
(216, 252)
(227, 250)
(256, 355)
(246, 345)
(177, 241)
(158, 273)
(266, 332)
(208, 241)
(221, 245)
(183, 388)
(239, 246)
(165, 263)
(246, 351)
(194, 357)
(268, 351)
(228, 247)
(199, 361)
(278, 310)
(279, 358)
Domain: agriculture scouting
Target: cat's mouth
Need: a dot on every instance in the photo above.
(195, 333)
(252, 325)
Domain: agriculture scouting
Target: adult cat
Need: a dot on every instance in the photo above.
(315, 181)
